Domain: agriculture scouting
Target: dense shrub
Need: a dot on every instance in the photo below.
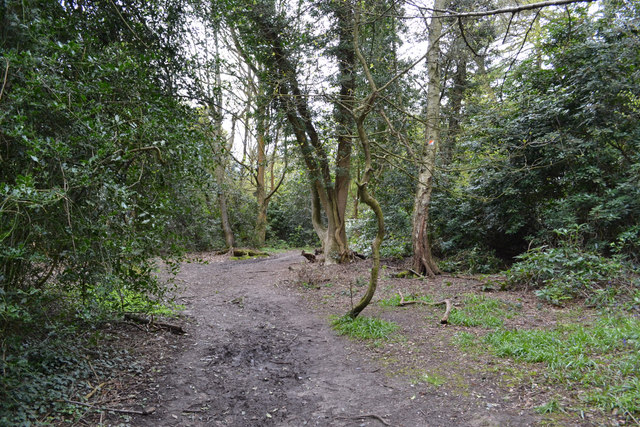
(566, 272)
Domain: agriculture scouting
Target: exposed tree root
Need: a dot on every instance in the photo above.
(446, 302)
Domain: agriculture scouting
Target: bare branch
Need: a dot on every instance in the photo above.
(4, 82)
(464, 37)
(513, 9)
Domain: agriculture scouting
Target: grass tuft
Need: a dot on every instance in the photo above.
(363, 327)
(602, 359)
(480, 310)
(394, 301)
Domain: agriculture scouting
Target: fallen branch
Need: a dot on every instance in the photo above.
(446, 302)
(171, 328)
(92, 392)
(374, 416)
(145, 411)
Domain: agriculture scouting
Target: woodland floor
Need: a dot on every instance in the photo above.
(259, 350)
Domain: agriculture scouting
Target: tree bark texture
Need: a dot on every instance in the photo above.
(422, 259)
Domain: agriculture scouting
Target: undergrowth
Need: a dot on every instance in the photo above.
(55, 350)
(568, 271)
(42, 372)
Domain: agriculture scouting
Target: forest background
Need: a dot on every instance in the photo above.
(465, 134)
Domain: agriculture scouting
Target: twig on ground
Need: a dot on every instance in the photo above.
(292, 339)
(374, 416)
(446, 302)
(95, 389)
(146, 411)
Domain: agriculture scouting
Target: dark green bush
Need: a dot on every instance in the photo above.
(562, 273)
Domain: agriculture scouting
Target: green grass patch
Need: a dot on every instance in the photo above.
(601, 360)
(550, 407)
(464, 340)
(394, 300)
(364, 328)
(432, 378)
(479, 310)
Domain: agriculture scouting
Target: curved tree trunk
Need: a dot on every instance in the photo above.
(422, 258)
(361, 113)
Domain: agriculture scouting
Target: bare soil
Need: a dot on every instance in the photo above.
(259, 350)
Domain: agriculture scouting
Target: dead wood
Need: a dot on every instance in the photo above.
(359, 255)
(145, 411)
(175, 329)
(310, 257)
(374, 416)
(447, 303)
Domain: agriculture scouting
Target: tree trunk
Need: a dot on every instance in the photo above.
(361, 113)
(327, 193)
(221, 149)
(346, 57)
(456, 97)
(422, 258)
(222, 203)
(261, 193)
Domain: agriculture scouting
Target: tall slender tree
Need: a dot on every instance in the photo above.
(422, 258)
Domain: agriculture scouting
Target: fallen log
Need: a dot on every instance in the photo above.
(447, 303)
(175, 329)
(407, 274)
(241, 252)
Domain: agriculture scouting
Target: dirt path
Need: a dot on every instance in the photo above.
(256, 356)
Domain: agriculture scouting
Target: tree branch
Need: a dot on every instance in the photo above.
(4, 82)
(513, 9)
